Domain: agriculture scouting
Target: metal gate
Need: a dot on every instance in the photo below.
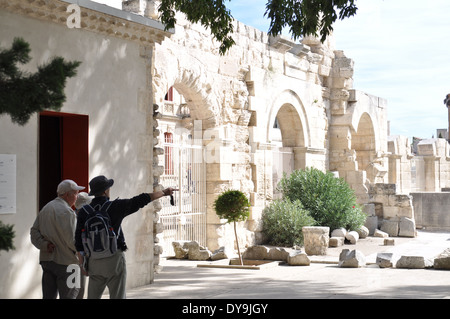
(186, 220)
(283, 162)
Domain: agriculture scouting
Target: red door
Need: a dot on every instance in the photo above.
(63, 152)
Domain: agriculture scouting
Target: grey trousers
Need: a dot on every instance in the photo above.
(108, 272)
(54, 281)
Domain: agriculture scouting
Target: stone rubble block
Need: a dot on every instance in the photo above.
(352, 237)
(390, 227)
(316, 239)
(363, 232)
(197, 252)
(181, 249)
(336, 241)
(407, 227)
(351, 259)
(384, 260)
(379, 233)
(256, 253)
(190, 250)
(339, 232)
(298, 258)
(389, 242)
(442, 261)
(220, 253)
(277, 253)
(414, 262)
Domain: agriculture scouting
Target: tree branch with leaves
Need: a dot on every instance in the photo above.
(301, 17)
(24, 93)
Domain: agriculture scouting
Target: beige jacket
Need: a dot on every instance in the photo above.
(55, 223)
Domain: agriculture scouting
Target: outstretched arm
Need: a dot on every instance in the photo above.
(165, 192)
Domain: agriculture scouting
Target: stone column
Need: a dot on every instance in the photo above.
(431, 173)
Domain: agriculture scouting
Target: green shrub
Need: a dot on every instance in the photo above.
(329, 200)
(283, 221)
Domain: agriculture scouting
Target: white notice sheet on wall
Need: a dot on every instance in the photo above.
(7, 183)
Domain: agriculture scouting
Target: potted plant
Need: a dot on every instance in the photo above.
(234, 206)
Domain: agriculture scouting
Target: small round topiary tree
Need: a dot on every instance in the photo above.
(234, 206)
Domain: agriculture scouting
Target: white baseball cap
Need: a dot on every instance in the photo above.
(68, 185)
(83, 199)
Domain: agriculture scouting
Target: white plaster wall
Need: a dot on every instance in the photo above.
(108, 88)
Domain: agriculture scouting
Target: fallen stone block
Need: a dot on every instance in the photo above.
(384, 260)
(351, 259)
(363, 232)
(277, 253)
(181, 249)
(352, 237)
(298, 258)
(197, 252)
(443, 260)
(336, 241)
(339, 232)
(390, 227)
(389, 241)
(219, 254)
(414, 262)
(316, 239)
(407, 227)
(379, 233)
(256, 253)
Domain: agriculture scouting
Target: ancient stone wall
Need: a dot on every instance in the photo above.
(305, 87)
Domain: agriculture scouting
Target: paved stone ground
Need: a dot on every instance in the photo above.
(183, 279)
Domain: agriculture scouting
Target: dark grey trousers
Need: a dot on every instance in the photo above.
(55, 280)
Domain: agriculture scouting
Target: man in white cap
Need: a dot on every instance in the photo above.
(53, 234)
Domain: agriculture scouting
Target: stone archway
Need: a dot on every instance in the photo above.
(364, 144)
(291, 133)
(287, 135)
(219, 119)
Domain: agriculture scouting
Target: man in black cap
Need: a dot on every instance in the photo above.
(111, 271)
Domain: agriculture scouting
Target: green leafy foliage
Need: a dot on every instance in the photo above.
(232, 205)
(283, 221)
(307, 17)
(23, 93)
(7, 235)
(212, 14)
(329, 200)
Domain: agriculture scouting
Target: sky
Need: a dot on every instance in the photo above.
(401, 50)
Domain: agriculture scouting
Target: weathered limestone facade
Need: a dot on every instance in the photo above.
(306, 88)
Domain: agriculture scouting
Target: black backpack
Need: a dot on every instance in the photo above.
(98, 236)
